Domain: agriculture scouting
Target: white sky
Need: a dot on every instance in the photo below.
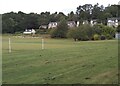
(38, 6)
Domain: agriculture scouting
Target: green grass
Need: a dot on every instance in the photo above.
(63, 61)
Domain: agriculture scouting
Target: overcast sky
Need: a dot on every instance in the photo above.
(38, 6)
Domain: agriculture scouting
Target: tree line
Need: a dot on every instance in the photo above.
(13, 22)
(84, 32)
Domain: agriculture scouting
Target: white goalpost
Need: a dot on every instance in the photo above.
(42, 43)
(9, 45)
(10, 48)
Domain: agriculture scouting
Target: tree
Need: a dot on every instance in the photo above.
(60, 15)
(72, 33)
(108, 30)
(31, 21)
(44, 18)
(113, 10)
(84, 12)
(17, 22)
(61, 30)
(9, 23)
(72, 16)
(98, 29)
(97, 12)
(83, 32)
(53, 17)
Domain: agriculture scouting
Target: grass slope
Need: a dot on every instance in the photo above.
(61, 62)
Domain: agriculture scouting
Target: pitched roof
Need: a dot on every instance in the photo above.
(114, 18)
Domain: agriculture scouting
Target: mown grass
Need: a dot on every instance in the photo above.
(63, 61)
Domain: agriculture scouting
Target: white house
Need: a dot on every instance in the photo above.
(70, 24)
(113, 22)
(93, 22)
(29, 31)
(78, 23)
(43, 26)
(85, 22)
(52, 25)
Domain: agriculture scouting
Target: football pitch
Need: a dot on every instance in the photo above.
(62, 61)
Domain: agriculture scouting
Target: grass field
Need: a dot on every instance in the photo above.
(63, 61)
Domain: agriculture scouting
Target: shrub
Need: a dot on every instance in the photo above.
(103, 30)
(53, 32)
(98, 29)
(96, 37)
(108, 30)
(108, 36)
(72, 33)
(102, 37)
(85, 38)
(88, 31)
(83, 33)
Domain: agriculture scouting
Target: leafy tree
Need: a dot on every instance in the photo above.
(96, 11)
(84, 12)
(53, 17)
(17, 22)
(60, 15)
(31, 21)
(113, 10)
(89, 30)
(72, 33)
(53, 32)
(98, 29)
(44, 18)
(108, 30)
(61, 30)
(83, 32)
(8, 25)
(108, 36)
(72, 16)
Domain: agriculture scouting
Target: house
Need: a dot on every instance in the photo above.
(113, 22)
(93, 22)
(29, 31)
(85, 22)
(78, 23)
(71, 24)
(43, 27)
(52, 25)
